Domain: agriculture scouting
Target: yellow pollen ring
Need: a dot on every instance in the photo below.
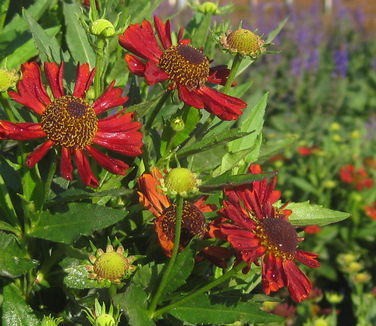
(185, 65)
(70, 122)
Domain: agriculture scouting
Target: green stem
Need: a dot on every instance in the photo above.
(99, 65)
(167, 272)
(48, 182)
(205, 288)
(3, 12)
(156, 109)
(234, 69)
(7, 108)
(93, 9)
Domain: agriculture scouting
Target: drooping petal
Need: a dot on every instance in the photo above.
(84, 169)
(224, 106)
(31, 91)
(66, 167)
(140, 40)
(307, 258)
(34, 157)
(20, 131)
(111, 164)
(135, 65)
(153, 74)
(164, 31)
(119, 122)
(109, 99)
(218, 75)
(84, 78)
(272, 274)
(127, 143)
(298, 284)
(54, 74)
(190, 97)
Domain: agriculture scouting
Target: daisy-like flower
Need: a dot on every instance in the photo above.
(185, 67)
(153, 199)
(370, 210)
(72, 123)
(261, 232)
(358, 177)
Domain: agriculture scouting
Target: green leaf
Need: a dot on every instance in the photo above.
(48, 47)
(226, 180)
(78, 219)
(77, 276)
(209, 142)
(306, 214)
(13, 259)
(15, 310)
(201, 311)
(77, 39)
(273, 34)
(134, 303)
(142, 9)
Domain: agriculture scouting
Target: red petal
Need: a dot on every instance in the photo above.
(218, 75)
(84, 78)
(54, 74)
(153, 74)
(20, 131)
(298, 284)
(119, 122)
(111, 164)
(109, 99)
(190, 97)
(38, 153)
(127, 143)
(140, 40)
(84, 169)
(31, 91)
(66, 168)
(272, 277)
(307, 258)
(163, 31)
(224, 106)
(135, 65)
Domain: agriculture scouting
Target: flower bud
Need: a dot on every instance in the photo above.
(181, 181)
(177, 124)
(361, 278)
(105, 320)
(335, 126)
(50, 321)
(320, 322)
(8, 79)
(208, 7)
(102, 27)
(244, 42)
(333, 297)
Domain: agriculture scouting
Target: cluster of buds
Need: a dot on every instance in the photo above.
(350, 264)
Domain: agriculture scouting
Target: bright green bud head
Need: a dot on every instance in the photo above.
(105, 320)
(208, 7)
(181, 181)
(244, 42)
(177, 124)
(334, 298)
(8, 79)
(50, 321)
(320, 322)
(111, 266)
(102, 27)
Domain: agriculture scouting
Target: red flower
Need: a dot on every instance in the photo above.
(371, 210)
(357, 177)
(259, 231)
(185, 67)
(153, 199)
(70, 122)
(312, 229)
(306, 151)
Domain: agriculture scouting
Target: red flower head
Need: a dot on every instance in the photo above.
(70, 122)
(185, 67)
(312, 229)
(371, 210)
(306, 151)
(357, 177)
(257, 230)
(153, 199)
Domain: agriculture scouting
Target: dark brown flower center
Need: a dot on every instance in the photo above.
(70, 122)
(185, 65)
(278, 236)
(193, 223)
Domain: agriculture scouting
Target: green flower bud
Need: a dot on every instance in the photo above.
(177, 124)
(208, 7)
(50, 321)
(181, 181)
(334, 298)
(244, 42)
(320, 322)
(105, 320)
(102, 27)
(8, 79)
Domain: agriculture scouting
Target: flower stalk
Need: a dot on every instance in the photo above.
(234, 70)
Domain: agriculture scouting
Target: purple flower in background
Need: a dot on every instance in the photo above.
(311, 63)
(296, 66)
(374, 63)
(341, 61)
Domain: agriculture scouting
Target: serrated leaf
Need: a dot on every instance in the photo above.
(13, 259)
(227, 180)
(201, 311)
(273, 34)
(77, 276)
(79, 219)
(15, 310)
(77, 39)
(48, 47)
(307, 214)
(134, 303)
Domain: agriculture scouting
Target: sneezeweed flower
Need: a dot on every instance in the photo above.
(152, 197)
(111, 266)
(370, 210)
(260, 231)
(358, 177)
(99, 317)
(308, 150)
(244, 42)
(72, 123)
(183, 66)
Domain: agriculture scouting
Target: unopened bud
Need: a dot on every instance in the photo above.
(244, 42)
(102, 27)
